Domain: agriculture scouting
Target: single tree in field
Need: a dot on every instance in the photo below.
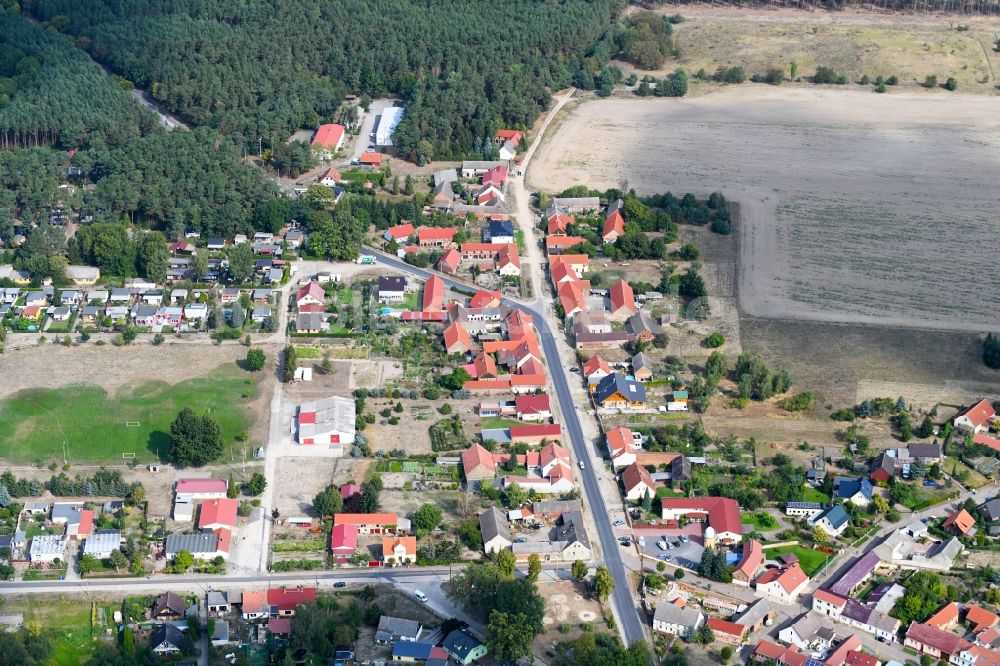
(327, 365)
(426, 518)
(328, 502)
(255, 359)
(194, 439)
(117, 560)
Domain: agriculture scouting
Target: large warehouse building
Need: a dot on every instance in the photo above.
(387, 122)
(329, 421)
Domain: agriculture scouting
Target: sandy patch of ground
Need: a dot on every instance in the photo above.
(852, 42)
(566, 607)
(299, 480)
(843, 195)
(374, 374)
(109, 367)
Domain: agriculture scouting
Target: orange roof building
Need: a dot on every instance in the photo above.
(433, 300)
(450, 262)
(329, 137)
(622, 301)
(456, 339)
(399, 550)
(749, 565)
(614, 227)
(371, 159)
(557, 225)
(959, 522)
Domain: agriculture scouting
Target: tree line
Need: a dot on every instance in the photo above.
(462, 69)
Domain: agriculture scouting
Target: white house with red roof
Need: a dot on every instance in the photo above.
(595, 369)
(399, 233)
(783, 584)
(621, 447)
(201, 489)
(218, 513)
(310, 294)
(975, 419)
(532, 407)
(343, 540)
(722, 514)
(637, 482)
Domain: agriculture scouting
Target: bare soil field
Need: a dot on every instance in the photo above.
(54, 366)
(299, 480)
(852, 42)
(846, 363)
(847, 200)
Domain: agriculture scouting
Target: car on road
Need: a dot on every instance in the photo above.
(574, 369)
(340, 583)
(420, 595)
(618, 522)
(582, 466)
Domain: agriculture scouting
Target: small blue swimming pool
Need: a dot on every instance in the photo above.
(732, 558)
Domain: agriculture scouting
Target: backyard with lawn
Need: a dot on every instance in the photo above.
(810, 560)
(86, 424)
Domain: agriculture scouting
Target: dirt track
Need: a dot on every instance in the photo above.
(854, 205)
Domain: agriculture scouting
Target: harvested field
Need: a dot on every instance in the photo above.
(847, 200)
(838, 360)
(851, 42)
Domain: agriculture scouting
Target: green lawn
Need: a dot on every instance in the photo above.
(663, 491)
(66, 620)
(495, 423)
(761, 521)
(34, 423)
(810, 560)
(813, 495)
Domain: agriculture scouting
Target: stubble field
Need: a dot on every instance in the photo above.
(854, 207)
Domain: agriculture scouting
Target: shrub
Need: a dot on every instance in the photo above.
(824, 75)
(798, 402)
(158, 339)
(951, 83)
(930, 81)
(715, 340)
(844, 414)
(892, 80)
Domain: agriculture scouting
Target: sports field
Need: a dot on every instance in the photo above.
(98, 427)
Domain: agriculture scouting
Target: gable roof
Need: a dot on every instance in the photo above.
(622, 297)
(484, 299)
(476, 457)
(433, 297)
(389, 545)
(978, 413)
(961, 520)
(456, 334)
(493, 524)
(287, 599)
(614, 223)
(847, 487)
(557, 224)
(435, 233)
(829, 597)
(945, 641)
(167, 633)
(752, 559)
(328, 135)
(788, 577)
(365, 519)
(169, 602)
(312, 289)
(218, 512)
(635, 475)
(632, 390)
(725, 627)
(857, 573)
(723, 513)
(595, 363)
(531, 404)
(836, 515)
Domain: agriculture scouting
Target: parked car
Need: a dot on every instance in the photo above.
(618, 523)
(684, 539)
(662, 545)
(340, 583)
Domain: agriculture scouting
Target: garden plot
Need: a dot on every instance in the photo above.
(853, 206)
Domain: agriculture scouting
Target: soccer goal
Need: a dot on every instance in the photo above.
(132, 424)
(128, 456)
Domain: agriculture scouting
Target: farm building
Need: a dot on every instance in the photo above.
(329, 421)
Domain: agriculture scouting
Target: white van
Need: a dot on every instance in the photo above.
(420, 595)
